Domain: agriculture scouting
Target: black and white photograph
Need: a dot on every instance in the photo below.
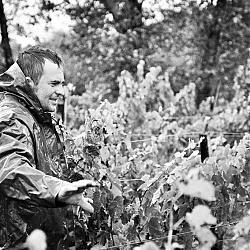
(124, 124)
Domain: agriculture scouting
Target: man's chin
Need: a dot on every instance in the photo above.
(51, 109)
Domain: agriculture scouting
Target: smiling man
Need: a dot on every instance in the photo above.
(50, 86)
(34, 191)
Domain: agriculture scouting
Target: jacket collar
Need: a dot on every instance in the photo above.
(13, 82)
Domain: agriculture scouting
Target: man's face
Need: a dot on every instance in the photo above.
(50, 86)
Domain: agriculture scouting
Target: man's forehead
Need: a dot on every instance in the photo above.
(49, 64)
(52, 68)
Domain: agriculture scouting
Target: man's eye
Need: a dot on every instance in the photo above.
(54, 83)
(57, 83)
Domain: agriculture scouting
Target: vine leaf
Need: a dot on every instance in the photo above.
(36, 236)
(243, 227)
(157, 194)
(144, 185)
(147, 246)
(206, 238)
(103, 172)
(199, 216)
(154, 227)
(116, 189)
(97, 247)
(104, 153)
(198, 188)
(173, 246)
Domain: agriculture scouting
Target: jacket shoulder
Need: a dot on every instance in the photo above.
(11, 109)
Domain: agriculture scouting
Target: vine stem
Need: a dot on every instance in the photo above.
(170, 231)
(21, 246)
(112, 236)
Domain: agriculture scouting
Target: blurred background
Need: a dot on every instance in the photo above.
(197, 41)
(153, 74)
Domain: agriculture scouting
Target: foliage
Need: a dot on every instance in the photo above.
(153, 183)
(36, 236)
(199, 41)
(144, 146)
(196, 41)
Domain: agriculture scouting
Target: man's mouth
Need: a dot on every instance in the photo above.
(53, 100)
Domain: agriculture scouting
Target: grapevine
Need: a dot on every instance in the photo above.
(144, 150)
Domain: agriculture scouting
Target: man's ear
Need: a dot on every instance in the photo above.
(30, 82)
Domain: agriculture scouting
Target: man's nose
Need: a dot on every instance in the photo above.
(60, 89)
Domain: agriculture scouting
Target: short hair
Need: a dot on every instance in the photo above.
(32, 60)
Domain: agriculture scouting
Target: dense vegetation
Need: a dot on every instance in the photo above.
(146, 151)
(195, 41)
(158, 114)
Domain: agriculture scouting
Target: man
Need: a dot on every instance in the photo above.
(34, 190)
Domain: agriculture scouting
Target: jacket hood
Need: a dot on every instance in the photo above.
(13, 82)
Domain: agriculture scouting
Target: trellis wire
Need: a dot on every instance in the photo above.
(230, 134)
(165, 237)
(179, 234)
(198, 133)
(189, 134)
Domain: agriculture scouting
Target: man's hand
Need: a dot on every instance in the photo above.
(71, 194)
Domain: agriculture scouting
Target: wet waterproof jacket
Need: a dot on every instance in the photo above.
(31, 166)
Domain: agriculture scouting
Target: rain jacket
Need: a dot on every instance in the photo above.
(32, 166)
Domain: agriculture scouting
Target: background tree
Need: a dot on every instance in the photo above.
(223, 37)
(195, 41)
(107, 46)
(5, 44)
(203, 43)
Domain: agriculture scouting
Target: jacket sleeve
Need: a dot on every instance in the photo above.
(19, 178)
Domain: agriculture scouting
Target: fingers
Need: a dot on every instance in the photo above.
(72, 194)
(85, 204)
(83, 184)
(65, 193)
(89, 200)
(67, 188)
